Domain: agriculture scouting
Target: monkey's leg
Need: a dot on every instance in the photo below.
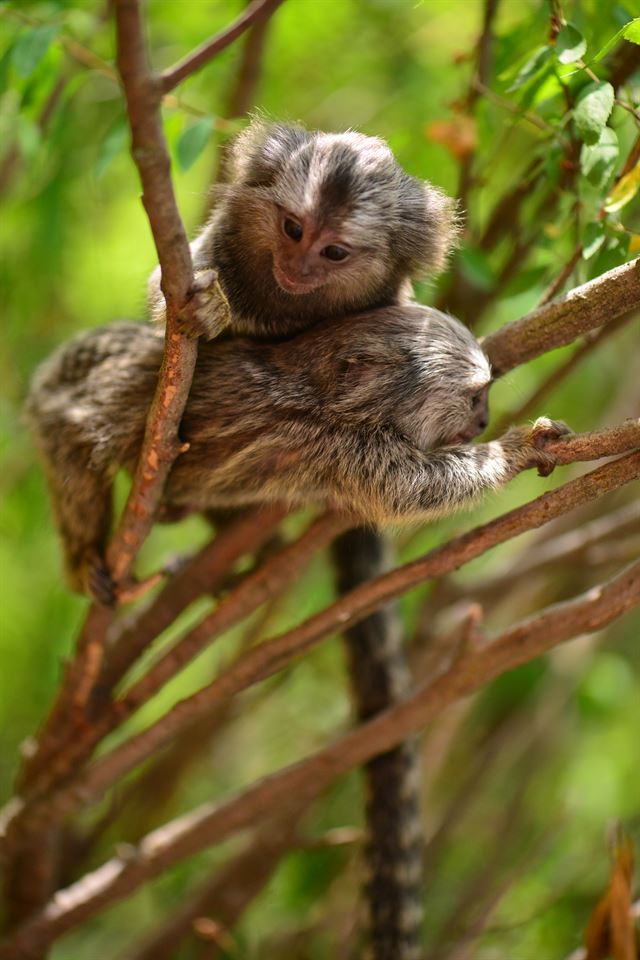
(82, 507)
(379, 677)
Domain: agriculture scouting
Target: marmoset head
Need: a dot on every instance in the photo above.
(452, 395)
(419, 369)
(335, 220)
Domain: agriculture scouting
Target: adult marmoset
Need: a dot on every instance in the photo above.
(374, 417)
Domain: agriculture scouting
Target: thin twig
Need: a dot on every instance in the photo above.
(171, 77)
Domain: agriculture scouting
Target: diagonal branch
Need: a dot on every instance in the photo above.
(303, 781)
(202, 574)
(161, 446)
(555, 324)
(201, 55)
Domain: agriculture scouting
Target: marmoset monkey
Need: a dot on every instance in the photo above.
(311, 226)
(348, 414)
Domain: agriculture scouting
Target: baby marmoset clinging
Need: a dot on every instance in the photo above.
(311, 226)
(345, 413)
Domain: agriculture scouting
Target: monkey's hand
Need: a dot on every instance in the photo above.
(207, 311)
(529, 445)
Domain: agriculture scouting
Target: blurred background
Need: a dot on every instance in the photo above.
(522, 781)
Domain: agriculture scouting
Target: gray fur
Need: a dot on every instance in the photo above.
(346, 186)
(344, 414)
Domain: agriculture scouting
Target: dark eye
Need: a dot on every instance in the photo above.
(476, 400)
(292, 228)
(335, 253)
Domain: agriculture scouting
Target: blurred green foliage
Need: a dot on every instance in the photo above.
(75, 252)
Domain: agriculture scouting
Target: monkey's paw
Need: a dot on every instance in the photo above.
(207, 311)
(543, 431)
(98, 582)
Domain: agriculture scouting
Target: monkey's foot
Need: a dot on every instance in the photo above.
(542, 432)
(99, 583)
(207, 311)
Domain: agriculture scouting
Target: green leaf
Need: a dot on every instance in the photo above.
(115, 140)
(536, 62)
(630, 31)
(192, 142)
(30, 48)
(598, 160)
(592, 110)
(570, 44)
(593, 236)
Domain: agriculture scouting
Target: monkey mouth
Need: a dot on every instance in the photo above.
(289, 285)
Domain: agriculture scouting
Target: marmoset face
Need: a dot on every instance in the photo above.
(450, 400)
(336, 211)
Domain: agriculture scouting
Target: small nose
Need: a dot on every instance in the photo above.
(301, 266)
(483, 422)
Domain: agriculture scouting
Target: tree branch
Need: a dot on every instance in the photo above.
(161, 445)
(202, 574)
(227, 893)
(201, 55)
(271, 656)
(528, 407)
(560, 322)
(305, 780)
(279, 571)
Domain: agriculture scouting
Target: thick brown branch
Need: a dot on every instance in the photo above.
(203, 54)
(305, 780)
(555, 324)
(598, 443)
(532, 404)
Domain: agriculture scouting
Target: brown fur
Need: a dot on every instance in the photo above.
(343, 414)
(342, 188)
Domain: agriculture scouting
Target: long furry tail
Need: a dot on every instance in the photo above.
(379, 677)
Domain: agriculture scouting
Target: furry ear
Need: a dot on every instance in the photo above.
(258, 153)
(427, 228)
